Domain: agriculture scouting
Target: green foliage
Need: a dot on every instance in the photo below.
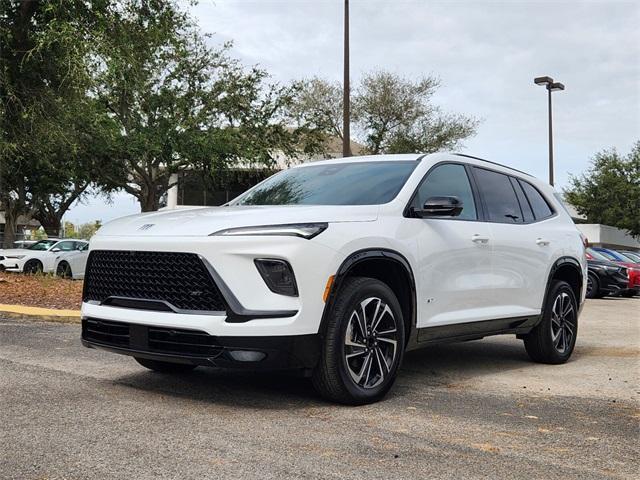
(391, 114)
(180, 104)
(609, 192)
(49, 127)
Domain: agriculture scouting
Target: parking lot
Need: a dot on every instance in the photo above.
(470, 410)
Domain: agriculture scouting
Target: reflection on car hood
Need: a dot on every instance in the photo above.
(15, 251)
(205, 221)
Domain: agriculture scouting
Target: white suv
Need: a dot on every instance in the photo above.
(336, 268)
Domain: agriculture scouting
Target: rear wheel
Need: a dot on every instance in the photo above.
(363, 345)
(32, 267)
(164, 367)
(553, 340)
(593, 286)
(64, 270)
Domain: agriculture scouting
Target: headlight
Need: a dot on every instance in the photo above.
(16, 257)
(303, 230)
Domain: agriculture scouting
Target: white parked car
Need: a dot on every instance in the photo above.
(39, 257)
(336, 268)
(72, 264)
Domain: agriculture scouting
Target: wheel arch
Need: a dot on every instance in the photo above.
(36, 261)
(386, 265)
(569, 270)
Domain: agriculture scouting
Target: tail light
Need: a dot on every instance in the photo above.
(585, 240)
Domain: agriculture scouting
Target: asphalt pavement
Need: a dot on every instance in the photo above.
(478, 409)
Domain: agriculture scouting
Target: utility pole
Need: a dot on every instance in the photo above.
(346, 110)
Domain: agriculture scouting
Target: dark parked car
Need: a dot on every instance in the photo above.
(633, 269)
(605, 277)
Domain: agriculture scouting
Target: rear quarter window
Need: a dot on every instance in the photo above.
(539, 205)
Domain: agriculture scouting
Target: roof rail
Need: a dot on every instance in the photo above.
(493, 163)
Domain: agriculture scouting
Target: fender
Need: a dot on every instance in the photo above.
(358, 257)
(561, 262)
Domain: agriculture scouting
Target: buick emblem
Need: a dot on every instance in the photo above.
(146, 226)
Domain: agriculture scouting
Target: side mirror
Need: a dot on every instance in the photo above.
(54, 250)
(440, 207)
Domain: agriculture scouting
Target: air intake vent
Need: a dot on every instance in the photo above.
(167, 341)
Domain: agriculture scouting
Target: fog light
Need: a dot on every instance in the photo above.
(247, 355)
(278, 276)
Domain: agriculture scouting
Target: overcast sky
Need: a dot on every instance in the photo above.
(485, 53)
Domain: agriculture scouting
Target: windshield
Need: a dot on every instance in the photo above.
(607, 256)
(596, 255)
(42, 245)
(626, 257)
(357, 183)
(633, 256)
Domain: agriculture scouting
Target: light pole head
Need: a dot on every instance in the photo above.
(555, 86)
(544, 81)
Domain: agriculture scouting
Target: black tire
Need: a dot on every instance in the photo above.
(345, 345)
(32, 267)
(593, 286)
(164, 367)
(553, 339)
(64, 270)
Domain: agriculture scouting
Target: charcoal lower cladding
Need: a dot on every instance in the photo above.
(180, 279)
(167, 341)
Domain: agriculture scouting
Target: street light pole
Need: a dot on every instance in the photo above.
(346, 108)
(551, 86)
(551, 179)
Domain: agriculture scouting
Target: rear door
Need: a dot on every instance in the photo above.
(522, 243)
(454, 267)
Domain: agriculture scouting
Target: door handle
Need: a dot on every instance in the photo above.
(542, 242)
(479, 239)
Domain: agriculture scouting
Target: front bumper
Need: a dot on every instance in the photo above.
(613, 283)
(295, 352)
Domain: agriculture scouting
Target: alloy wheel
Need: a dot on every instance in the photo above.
(371, 343)
(563, 322)
(64, 270)
(589, 285)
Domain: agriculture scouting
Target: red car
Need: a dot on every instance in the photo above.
(633, 268)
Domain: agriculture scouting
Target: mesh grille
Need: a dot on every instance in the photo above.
(180, 279)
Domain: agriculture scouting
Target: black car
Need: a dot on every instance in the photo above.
(606, 278)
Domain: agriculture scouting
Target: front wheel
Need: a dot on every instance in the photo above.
(593, 286)
(363, 345)
(33, 267)
(553, 340)
(64, 270)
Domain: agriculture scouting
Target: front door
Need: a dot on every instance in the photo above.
(454, 267)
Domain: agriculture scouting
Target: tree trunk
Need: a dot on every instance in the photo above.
(11, 221)
(149, 201)
(50, 221)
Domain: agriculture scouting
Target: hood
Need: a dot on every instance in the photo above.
(603, 263)
(205, 221)
(15, 251)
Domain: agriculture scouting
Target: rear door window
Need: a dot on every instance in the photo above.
(499, 197)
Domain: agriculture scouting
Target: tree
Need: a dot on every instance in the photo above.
(44, 77)
(609, 192)
(180, 104)
(319, 103)
(391, 114)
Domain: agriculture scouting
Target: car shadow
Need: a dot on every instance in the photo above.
(435, 366)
